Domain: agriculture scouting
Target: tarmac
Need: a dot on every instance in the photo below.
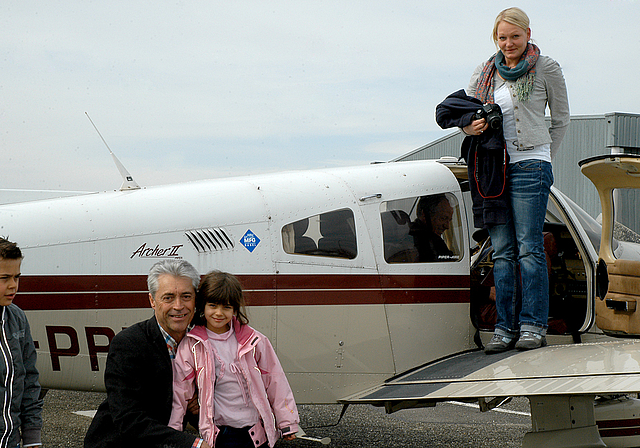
(67, 416)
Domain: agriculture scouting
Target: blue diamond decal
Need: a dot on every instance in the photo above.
(250, 240)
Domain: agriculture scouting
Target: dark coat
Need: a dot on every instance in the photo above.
(139, 382)
(431, 247)
(486, 158)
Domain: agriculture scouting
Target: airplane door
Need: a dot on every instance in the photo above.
(571, 238)
(423, 260)
(617, 179)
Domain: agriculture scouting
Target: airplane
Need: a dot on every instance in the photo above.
(333, 278)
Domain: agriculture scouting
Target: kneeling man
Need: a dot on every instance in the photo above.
(139, 373)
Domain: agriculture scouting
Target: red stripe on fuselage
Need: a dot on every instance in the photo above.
(619, 428)
(620, 432)
(130, 291)
(623, 423)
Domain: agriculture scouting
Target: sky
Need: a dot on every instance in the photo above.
(188, 90)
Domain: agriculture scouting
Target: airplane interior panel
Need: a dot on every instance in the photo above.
(567, 283)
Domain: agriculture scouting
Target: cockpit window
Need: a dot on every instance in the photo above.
(331, 234)
(422, 229)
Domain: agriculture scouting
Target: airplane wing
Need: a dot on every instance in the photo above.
(602, 368)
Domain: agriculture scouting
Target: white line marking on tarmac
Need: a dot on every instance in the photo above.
(505, 411)
(89, 414)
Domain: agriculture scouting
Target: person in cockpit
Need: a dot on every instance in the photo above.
(434, 214)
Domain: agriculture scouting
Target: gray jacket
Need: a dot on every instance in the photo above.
(20, 402)
(550, 89)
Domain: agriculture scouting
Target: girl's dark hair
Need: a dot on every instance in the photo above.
(220, 288)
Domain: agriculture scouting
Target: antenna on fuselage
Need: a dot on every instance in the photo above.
(128, 182)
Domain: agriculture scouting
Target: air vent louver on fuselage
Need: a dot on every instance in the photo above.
(209, 240)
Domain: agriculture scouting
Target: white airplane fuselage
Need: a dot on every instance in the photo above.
(340, 325)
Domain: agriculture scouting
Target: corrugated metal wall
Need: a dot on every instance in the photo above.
(623, 136)
(448, 145)
(623, 130)
(587, 136)
(627, 211)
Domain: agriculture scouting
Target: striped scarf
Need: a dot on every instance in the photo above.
(524, 74)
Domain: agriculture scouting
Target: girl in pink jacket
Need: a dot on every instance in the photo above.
(244, 395)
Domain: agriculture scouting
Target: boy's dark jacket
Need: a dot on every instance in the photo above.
(24, 415)
(486, 158)
(139, 382)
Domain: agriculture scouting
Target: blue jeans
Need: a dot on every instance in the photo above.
(520, 265)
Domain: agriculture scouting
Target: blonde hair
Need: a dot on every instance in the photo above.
(514, 16)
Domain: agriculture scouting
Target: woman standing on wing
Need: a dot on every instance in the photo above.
(522, 82)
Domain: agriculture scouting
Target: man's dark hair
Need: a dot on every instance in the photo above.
(9, 250)
(428, 204)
